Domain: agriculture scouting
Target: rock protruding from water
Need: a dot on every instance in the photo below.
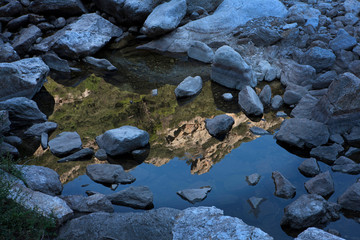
(250, 102)
(350, 199)
(109, 174)
(190, 86)
(230, 69)
(309, 210)
(309, 167)
(164, 18)
(81, 155)
(201, 52)
(22, 78)
(94, 203)
(327, 154)
(65, 144)
(283, 187)
(253, 179)
(255, 202)
(313, 233)
(122, 140)
(302, 133)
(139, 197)
(210, 223)
(194, 195)
(346, 165)
(322, 184)
(219, 126)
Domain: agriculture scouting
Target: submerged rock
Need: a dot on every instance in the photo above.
(283, 187)
(194, 195)
(255, 202)
(100, 63)
(189, 87)
(139, 197)
(65, 144)
(109, 173)
(219, 126)
(250, 102)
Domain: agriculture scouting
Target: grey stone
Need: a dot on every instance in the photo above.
(27, 37)
(45, 26)
(343, 41)
(44, 140)
(350, 199)
(37, 129)
(302, 132)
(309, 167)
(41, 179)
(327, 154)
(352, 151)
(210, 223)
(219, 126)
(309, 210)
(265, 95)
(313, 233)
(293, 94)
(139, 197)
(343, 161)
(164, 18)
(55, 63)
(194, 195)
(6, 149)
(277, 102)
(304, 108)
(13, 140)
(12, 9)
(230, 69)
(81, 155)
(294, 73)
(283, 187)
(353, 137)
(60, 22)
(201, 52)
(101, 155)
(337, 138)
(302, 12)
(319, 58)
(322, 184)
(17, 23)
(109, 173)
(190, 86)
(258, 131)
(22, 78)
(100, 63)
(65, 144)
(4, 121)
(58, 7)
(349, 167)
(94, 203)
(253, 179)
(264, 36)
(352, 6)
(7, 53)
(22, 111)
(324, 80)
(250, 102)
(281, 114)
(227, 96)
(255, 202)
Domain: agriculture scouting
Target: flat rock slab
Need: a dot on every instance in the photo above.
(283, 187)
(94, 203)
(109, 174)
(82, 155)
(258, 131)
(139, 197)
(219, 126)
(38, 129)
(189, 87)
(194, 195)
(65, 144)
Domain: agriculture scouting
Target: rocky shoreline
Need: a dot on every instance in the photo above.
(311, 47)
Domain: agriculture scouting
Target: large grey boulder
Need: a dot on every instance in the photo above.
(230, 69)
(319, 58)
(152, 225)
(250, 102)
(109, 173)
(309, 167)
(343, 41)
(297, 74)
(201, 52)
(228, 16)
(22, 111)
(7, 53)
(265, 95)
(219, 126)
(81, 38)
(22, 78)
(57, 7)
(65, 144)
(81, 155)
(302, 132)
(210, 223)
(139, 197)
(122, 140)
(350, 199)
(327, 154)
(194, 195)
(283, 187)
(322, 184)
(27, 37)
(39, 128)
(94, 203)
(164, 18)
(304, 108)
(309, 210)
(41, 179)
(313, 233)
(190, 86)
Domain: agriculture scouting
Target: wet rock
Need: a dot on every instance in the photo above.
(210, 223)
(322, 184)
(258, 131)
(190, 86)
(194, 195)
(122, 140)
(304, 108)
(153, 225)
(139, 197)
(250, 102)
(346, 165)
(7, 53)
(253, 179)
(327, 154)
(293, 94)
(65, 144)
(13, 140)
(265, 95)
(4, 121)
(94, 203)
(12, 9)
(353, 137)
(230, 69)
(294, 73)
(319, 58)
(57, 7)
(109, 174)
(227, 96)
(22, 78)
(219, 126)
(309, 210)
(101, 155)
(283, 188)
(27, 37)
(313, 233)
(83, 154)
(255, 202)
(100, 63)
(6, 149)
(41, 179)
(309, 167)
(301, 132)
(343, 41)
(81, 38)
(277, 102)
(324, 80)
(22, 111)
(44, 140)
(350, 199)
(201, 52)
(55, 63)
(36, 130)
(164, 18)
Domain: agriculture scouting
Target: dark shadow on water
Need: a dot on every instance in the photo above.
(303, 153)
